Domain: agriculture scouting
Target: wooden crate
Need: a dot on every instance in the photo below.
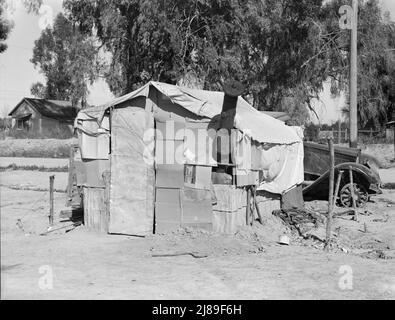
(95, 209)
(229, 213)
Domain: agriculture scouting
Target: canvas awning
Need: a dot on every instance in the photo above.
(261, 127)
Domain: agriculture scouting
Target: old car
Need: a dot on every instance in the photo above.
(366, 179)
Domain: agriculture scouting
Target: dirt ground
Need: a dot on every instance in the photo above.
(33, 180)
(248, 265)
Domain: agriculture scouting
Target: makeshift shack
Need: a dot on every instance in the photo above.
(165, 156)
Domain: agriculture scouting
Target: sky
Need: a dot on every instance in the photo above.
(17, 73)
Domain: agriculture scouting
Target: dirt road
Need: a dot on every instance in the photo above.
(249, 265)
(33, 180)
(388, 176)
(86, 266)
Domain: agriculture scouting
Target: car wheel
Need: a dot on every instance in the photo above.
(360, 194)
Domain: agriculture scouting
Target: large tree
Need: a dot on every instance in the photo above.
(5, 27)
(262, 43)
(375, 59)
(162, 40)
(68, 61)
(283, 51)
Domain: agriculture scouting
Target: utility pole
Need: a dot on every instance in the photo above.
(331, 202)
(354, 78)
(349, 20)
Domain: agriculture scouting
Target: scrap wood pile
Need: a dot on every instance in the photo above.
(308, 224)
(361, 238)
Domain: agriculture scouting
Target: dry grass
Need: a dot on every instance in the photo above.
(34, 168)
(36, 148)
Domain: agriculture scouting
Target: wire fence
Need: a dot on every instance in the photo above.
(364, 136)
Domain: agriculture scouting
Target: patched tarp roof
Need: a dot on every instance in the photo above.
(55, 109)
(261, 127)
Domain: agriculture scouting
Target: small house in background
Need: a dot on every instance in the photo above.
(43, 116)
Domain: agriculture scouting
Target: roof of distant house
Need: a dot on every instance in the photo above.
(55, 109)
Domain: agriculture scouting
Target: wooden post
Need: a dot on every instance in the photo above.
(106, 218)
(339, 133)
(330, 196)
(257, 207)
(393, 126)
(252, 204)
(71, 187)
(51, 190)
(339, 178)
(352, 194)
(252, 210)
(354, 78)
(248, 206)
(71, 170)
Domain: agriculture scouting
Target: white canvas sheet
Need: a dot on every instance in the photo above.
(283, 167)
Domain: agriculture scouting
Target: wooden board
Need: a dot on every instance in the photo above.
(95, 213)
(229, 211)
(196, 208)
(132, 177)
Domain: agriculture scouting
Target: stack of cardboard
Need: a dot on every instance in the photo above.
(229, 213)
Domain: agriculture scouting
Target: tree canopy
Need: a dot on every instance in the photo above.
(5, 27)
(68, 61)
(282, 51)
(261, 43)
